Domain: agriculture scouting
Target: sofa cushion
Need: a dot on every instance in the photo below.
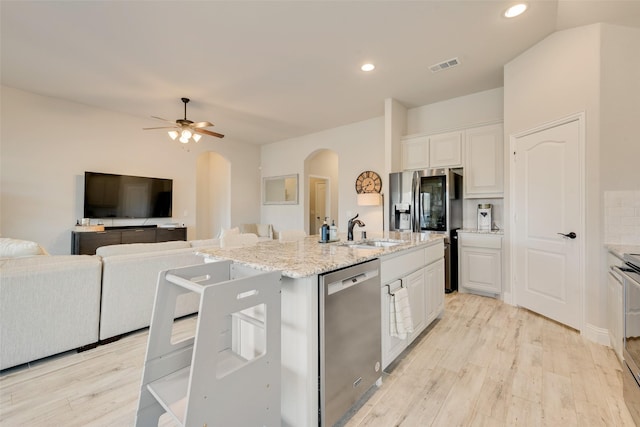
(136, 248)
(264, 230)
(229, 231)
(13, 248)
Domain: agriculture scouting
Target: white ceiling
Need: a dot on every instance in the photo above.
(264, 71)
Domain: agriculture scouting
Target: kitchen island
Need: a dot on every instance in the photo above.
(301, 263)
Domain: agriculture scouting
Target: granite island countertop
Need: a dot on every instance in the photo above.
(308, 257)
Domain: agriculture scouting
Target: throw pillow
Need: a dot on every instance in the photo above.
(13, 248)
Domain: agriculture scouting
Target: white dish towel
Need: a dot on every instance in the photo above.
(400, 321)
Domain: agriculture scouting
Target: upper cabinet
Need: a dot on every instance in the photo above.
(479, 150)
(484, 162)
(445, 150)
(432, 151)
(415, 152)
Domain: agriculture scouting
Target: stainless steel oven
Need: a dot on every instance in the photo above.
(631, 352)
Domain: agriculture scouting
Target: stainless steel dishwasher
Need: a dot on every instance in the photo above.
(350, 335)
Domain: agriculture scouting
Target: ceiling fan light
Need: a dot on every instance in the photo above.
(515, 10)
(196, 137)
(186, 133)
(183, 139)
(173, 134)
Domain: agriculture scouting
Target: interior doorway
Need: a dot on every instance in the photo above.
(319, 202)
(213, 194)
(321, 184)
(548, 240)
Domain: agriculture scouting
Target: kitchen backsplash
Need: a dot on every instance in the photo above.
(622, 217)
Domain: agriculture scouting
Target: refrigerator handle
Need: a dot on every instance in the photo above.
(416, 202)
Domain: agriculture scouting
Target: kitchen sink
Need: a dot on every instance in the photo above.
(373, 243)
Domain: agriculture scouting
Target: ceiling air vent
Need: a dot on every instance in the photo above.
(449, 63)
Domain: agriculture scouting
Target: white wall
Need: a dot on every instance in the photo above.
(620, 108)
(48, 144)
(213, 195)
(465, 111)
(359, 146)
(591, 69)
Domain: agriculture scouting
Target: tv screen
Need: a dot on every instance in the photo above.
(121, 196)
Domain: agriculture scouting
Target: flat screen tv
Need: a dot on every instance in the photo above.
(122, 196)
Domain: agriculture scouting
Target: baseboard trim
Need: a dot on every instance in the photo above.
(596, 334)
(507, 298)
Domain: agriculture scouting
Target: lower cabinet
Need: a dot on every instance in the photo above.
(417, 289)
(480, 262)
(391, 346)
(421, 272)
(434, 275)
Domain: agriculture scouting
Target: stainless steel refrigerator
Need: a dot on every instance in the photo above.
(429, 200)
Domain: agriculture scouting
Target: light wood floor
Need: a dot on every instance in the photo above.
(484, 364)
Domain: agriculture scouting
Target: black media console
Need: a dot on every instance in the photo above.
(86, 242)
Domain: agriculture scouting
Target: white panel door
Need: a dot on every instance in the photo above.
(548, 201)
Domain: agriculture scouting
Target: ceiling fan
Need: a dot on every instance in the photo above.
(187, 129)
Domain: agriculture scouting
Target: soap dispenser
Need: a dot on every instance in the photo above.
(324, 231)
(333, 231)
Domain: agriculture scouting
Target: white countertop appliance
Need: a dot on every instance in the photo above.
(484, 217)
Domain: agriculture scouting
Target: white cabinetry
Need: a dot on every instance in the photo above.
(445, 150)
(421, 272)
(480, 262)
(484, 162)
(415, 152)
(432, 151)
(434, 276)
(391, 346)
(615, 307)
(417, 288)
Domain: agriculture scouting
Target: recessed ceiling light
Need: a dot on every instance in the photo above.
(368, 67)
(515, 10)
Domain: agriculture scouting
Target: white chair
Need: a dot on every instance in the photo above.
(238, 240)
(292, 236)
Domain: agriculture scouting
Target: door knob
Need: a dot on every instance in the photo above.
(571, 235)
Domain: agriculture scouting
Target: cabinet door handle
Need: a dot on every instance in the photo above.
(571, 235)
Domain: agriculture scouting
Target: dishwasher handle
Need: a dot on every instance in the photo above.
(341, 285)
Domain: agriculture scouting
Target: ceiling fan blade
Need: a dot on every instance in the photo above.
(161, 127)
(164, 120)
(208, 132)
(201, 125)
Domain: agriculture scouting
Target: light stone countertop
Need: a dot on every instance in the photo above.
(620, 250)
(309, 257)
(476, 231)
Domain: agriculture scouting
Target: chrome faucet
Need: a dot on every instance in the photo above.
(353, 222)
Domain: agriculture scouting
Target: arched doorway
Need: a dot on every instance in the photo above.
(213, 194)
(321, 182)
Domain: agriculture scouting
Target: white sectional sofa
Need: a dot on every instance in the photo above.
(53, 304)
(48, 305)
(129, 278)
